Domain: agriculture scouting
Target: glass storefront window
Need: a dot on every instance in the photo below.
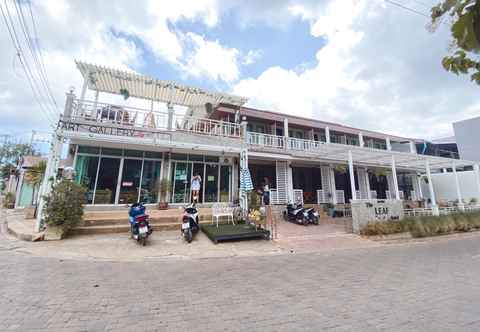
(86, 173)
(225, 183)
(181, 182)
(130, 182)
(133, 153)
(111, 152)
(211, 183)
(107, 181)
(89, 149)
(154, 155)
(150, 178)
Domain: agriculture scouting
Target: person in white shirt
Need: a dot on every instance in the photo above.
(196, 182)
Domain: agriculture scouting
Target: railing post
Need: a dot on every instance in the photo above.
(67, 112)
(170, 116)
(243, 124)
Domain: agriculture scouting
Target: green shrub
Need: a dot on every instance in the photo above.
(9, 200)
(427, 225)
(64, 205)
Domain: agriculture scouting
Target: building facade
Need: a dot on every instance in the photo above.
(120, 151)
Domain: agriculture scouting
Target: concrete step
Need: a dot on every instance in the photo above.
(106, 220)
(125, 228)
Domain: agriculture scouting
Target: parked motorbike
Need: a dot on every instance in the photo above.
(295, 213)
(312, 216)
(140, 228)
(190, 223)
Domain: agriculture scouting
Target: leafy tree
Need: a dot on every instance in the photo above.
(12, 152)
(465, 31)
(34, 176)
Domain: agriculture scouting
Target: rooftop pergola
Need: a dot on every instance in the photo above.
(110, 80)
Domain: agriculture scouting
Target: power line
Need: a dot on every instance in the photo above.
(34, 50)
(407, 8)
(23, 61)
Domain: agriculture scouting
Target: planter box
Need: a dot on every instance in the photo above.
(54, 233)
(29, 212)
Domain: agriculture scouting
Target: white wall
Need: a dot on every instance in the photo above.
(467, 135)
(445, 189)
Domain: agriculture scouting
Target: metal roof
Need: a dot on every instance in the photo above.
(111, 80)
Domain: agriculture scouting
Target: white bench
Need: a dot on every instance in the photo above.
(222, 210)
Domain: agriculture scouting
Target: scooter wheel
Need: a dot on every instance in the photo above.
(189, 236)
(316, 221)
(144, 241)
(305, 222)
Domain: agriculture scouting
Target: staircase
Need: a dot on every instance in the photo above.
(108, 222)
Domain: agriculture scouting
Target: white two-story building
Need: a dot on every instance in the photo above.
(163, 130)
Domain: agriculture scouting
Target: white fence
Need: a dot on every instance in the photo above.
(441, 210)
(96, 113)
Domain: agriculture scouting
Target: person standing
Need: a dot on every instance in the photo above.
(266, 191)
(195, 183)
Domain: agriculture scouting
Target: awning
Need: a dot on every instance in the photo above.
(109, 80)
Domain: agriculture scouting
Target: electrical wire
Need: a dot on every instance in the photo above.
(19, 52)
(407, 8)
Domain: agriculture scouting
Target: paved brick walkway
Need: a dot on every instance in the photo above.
(432, 286)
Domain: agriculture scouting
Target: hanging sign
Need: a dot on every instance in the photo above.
(127, 184)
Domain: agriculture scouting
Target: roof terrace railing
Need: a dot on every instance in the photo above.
(91, 112)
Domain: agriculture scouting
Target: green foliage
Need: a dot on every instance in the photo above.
(64, 205)
(426, 225)
(465, 32)
(34, 175)
(9, 200)
(12, 152)
(253, 200)
(125, 93)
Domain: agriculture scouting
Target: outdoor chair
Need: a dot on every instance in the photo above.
(222, 210)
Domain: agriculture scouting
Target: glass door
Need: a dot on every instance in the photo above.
(107, 181)
(199, 169)
(181, 182)
(211, 183)
(132, 171)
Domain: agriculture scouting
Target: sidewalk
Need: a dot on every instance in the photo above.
(167, 245)
(20, 227)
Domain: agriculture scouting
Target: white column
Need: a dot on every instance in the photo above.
(457, 186)
(333, 186)
(476, 169)
(394, 178)
(419, 182)
(285, 127)
(367, 181)
(388, 143)
(430, 188)
(413, 148)
(50, 172)
(360, 139)
(67, 112)
(84, 87)
(289, 182)
(327, 134)
(170, 116)
(352, 176)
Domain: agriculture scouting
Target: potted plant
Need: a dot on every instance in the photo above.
(63, 209)
(330, 209)
(164, 188)
(9, 200)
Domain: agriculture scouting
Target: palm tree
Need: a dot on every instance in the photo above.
(34, 176)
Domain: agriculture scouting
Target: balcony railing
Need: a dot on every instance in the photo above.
(90, 112)
(282, 142)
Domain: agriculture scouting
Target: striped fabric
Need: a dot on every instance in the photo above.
(245, 180)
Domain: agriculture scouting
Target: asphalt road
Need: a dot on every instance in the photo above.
(431, 286)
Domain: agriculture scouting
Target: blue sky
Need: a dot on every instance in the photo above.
(363, 63)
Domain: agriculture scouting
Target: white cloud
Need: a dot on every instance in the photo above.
(251, 57)
(211, 59)
(380, 70)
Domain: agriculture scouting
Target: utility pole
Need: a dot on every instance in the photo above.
(31, 140)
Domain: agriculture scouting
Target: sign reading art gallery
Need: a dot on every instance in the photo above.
(370, 211)
(99, 129)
